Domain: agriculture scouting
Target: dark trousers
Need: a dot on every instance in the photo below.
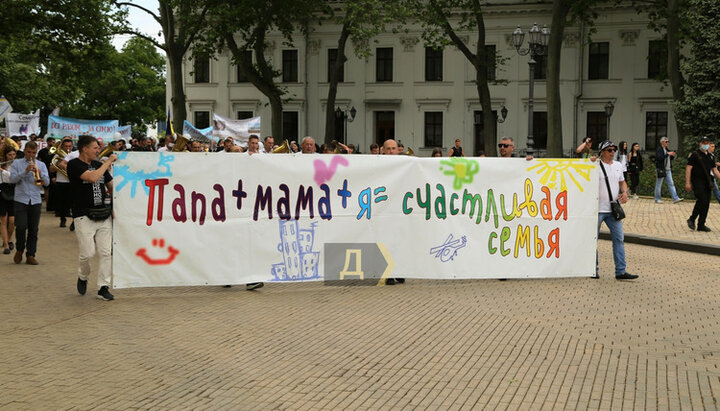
(27, 218)
(702, 202)
(634, 181)
(63, 199)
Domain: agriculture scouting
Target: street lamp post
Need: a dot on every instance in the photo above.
(537, 46)
(609, 108)
(348, 117)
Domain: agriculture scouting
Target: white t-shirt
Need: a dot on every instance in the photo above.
(615, 176)
(61, 178)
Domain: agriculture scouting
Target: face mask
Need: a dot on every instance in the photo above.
(705, 147)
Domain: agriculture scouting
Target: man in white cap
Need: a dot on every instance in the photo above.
(611, 181)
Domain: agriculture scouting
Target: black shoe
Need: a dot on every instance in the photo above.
(81, 286)
(595, 277)
(704, 228)
(626, 276)
(104, 294)
(63, 222)
(254, 286)
(6, 251)
(227, 286)
(400, 280)
(390, 281)
(691, 223)
(502, 279)
(72, 226)
(11, 245)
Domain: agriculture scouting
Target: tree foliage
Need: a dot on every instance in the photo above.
(699, 109)
(45, 46)
(442, 21)
(128, 86)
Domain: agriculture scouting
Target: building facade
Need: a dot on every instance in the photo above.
(427, 98)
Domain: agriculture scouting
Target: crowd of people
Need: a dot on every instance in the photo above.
(77, 183)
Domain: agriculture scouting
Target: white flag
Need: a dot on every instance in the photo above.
(5, 107)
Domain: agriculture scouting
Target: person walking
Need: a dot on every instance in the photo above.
(663, 165)
(700, 165)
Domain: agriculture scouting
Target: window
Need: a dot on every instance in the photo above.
(247, 56)
(596, 126)
(599, 61)
(433, 64)
(384, 64)
(479, 124)
(201, 69)
(433, 128)
(491, 54)
(332, 58)
(290, 125)
(655, 127)
(657, 59)
(540, 67)
(202, 119)
(290, 66)
(242, 115)
(540, 130)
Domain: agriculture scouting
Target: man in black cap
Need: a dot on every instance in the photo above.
(700, 166)
(612, 181)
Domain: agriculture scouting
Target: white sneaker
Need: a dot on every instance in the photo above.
(658, 201)
(677, 200)
(635, 197)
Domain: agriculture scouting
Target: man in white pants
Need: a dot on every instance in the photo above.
(91, 185)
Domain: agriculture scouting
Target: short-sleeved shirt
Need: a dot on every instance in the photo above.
(86, 194)
(700, 162)
(615, 176)
(71, 156)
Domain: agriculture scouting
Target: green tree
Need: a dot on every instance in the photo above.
(182, 23)
(698, 111)
(243, 27)
(564, 13)
(128, 86)
(438, 31)
(360, 20)
(45, 46)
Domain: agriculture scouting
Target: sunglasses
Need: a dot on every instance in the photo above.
(504, 145)
(612, 150)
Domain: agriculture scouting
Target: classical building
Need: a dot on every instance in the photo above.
(426, 98)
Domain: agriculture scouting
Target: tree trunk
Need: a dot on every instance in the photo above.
(332, 87)
(177, 96)
(481, 77)
(276, 123)
(673, 65)
(552, 85)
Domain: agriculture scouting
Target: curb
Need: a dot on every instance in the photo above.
(665, 243)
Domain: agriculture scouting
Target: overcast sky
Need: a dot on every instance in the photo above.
(141, 21)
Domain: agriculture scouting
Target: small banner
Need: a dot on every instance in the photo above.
(239, 130)
(59, 127)
(23, 124)
(223, 218)
(203, 135)
(125, 132)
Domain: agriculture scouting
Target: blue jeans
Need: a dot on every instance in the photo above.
(670, 183)
(716, 192)
(618, 242)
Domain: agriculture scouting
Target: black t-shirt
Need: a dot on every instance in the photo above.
(698, 174)
(456, 151)
(86, 194)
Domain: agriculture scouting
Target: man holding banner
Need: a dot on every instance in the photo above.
(612, 181)
(92, 211)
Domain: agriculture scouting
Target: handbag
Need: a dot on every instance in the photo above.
(615, 208)
(99, 213)
(661, 173)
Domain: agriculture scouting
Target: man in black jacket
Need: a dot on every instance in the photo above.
(663, 161)
(697, 177)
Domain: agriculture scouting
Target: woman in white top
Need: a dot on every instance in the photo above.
(7, 191)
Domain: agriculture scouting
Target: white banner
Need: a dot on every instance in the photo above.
(203, 135)
(226, 218)
(23, 124)
(239, 130)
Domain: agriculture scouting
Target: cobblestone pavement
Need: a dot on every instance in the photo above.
(522, 344)
(668, 220)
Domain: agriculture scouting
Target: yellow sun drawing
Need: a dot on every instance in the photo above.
(554, 171)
